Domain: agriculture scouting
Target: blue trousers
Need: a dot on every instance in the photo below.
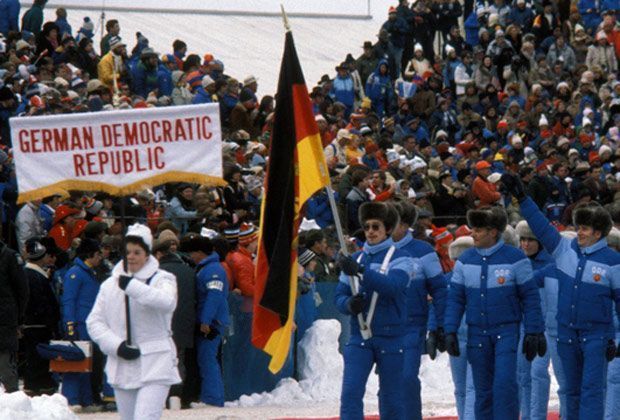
(77, 389)
(534, 382)
(414, 347)
(552, 350)
(585, 367)
(493, 360)
(212, 385)
(612, 401)
(464, 391)
(359, 358)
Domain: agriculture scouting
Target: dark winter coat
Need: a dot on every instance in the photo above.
(13, 296)
(184, 315)
(42, 309)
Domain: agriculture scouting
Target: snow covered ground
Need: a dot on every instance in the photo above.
(317, 392)
(246, 44)
(315, 395)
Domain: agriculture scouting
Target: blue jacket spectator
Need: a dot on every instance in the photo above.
(9, 16)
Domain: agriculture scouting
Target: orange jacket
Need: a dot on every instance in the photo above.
(485, 192)
(242, 267)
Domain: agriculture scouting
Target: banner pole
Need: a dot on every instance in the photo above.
(353, 283)
(124, 254)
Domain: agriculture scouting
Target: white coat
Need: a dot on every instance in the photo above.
(151, 308)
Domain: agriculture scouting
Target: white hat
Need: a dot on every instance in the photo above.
(441, 133)
(449, 48)
(208, 233)
(586, 121)
(604, 148)
(249, 80)
(494, 177)
(562, 141)
(573, 151)
(579, 27)
(392, 156)
(142, 232)
(307, 225)
(207, 81)
(418, 47)
(516, 139)
(543, 120)
(460, 245)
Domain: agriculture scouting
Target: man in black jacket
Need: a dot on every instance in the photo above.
(42, 315)
(13, 298)
(184, 317)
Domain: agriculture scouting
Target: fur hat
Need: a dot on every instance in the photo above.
(380, 211)
(524, 231)
(488, 217)
(407, 212)
(510, 236)
(460, 245)
(142, 232)
(593, 215)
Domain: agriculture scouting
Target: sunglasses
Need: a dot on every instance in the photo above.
(373, 226)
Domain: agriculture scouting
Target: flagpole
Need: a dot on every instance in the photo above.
(353, 283)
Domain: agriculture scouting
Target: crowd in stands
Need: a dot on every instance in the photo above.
(449, 97)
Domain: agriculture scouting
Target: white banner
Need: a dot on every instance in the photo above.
(119, 152)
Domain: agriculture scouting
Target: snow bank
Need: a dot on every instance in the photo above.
(18, 406)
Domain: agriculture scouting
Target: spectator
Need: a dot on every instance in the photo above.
(33, 18)
(165, 249)
(64, 29)
(113, 29)
(14, 294)
(42, 315)
(9, 16)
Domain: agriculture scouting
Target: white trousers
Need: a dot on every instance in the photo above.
(146, 403)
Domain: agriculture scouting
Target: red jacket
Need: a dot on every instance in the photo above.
(242, 267)
(61, 236)
(485, 192)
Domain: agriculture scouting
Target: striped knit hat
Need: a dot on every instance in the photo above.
(247, 234)
(305, 256)
(231, 235)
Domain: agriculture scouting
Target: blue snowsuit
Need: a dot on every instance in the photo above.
(494, 287)
(343, 91)
(212, 310)
(472, 27)
(589, 284)
(386, 346)
(80, 288)
(612, 402)
(427, 278)
(379, 89)
(533, 377)
(547, 278)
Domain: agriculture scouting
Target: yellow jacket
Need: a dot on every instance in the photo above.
(105, 70)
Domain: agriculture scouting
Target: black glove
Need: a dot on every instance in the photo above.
(610, 352)
(128, 352)
(441, 340)
(431, 344)
(514, 185)
(349, 266)
(618, 352)
(355, 304)
(123, 281)
(452, 345)
(534, 344)
(542, 345)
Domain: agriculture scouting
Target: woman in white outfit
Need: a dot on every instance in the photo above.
(141, 374)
